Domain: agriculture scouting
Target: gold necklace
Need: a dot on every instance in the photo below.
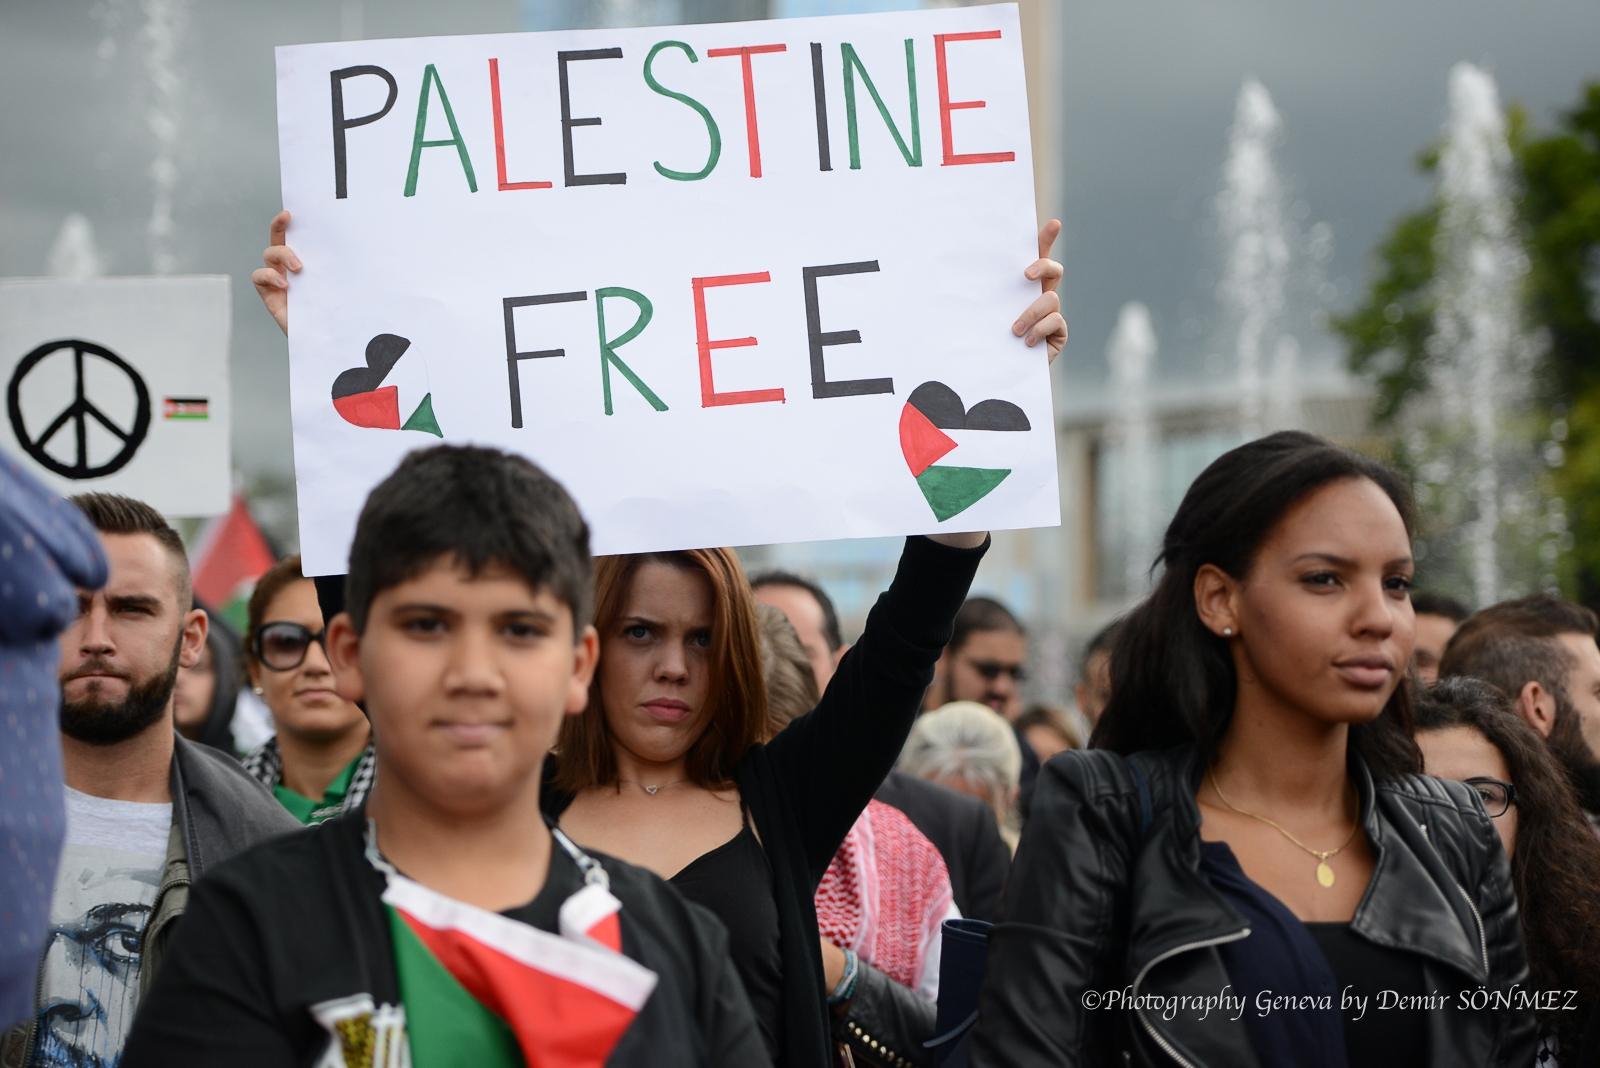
(1324, 871)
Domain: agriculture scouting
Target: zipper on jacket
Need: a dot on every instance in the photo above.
(1166, 1046)
(1483, 938)
(32, 1038)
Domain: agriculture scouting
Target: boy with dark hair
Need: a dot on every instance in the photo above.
(448, 923)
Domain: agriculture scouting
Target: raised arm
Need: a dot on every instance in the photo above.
(832, 759)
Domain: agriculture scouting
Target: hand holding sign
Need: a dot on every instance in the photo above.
(1043, 319)
(707, 346)
(272, 281)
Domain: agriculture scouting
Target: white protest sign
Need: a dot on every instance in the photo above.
(120, 385)
(730, 284)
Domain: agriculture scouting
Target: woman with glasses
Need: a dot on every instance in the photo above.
(1469, 732)
(320, 762)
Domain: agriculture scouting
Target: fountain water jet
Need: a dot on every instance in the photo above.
(1479, 353)
(1131, 354)
(1251, 217)
(162, 33)
(74, 255)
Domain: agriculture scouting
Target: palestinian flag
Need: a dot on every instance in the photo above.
(482, 990)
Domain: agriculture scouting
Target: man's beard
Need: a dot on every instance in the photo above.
(1569, 746)
(97, 722)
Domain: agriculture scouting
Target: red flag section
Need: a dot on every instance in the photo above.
(568, 1001)
(921, 442)
(230, 552)
(378, 408)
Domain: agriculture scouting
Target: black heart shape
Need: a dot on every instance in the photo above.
(383, 352)
(943, 407)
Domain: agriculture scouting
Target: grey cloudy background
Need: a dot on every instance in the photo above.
(1147, 95)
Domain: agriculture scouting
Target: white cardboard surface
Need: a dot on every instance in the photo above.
(435, 268)
(172, 332)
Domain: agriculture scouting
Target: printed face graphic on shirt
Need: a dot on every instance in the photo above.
(91, 965)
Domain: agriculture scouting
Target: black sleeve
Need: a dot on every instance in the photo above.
(831, 759)
(210, 1004)
(1058, 916)
(987, 862)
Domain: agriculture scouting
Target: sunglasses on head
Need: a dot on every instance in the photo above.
(993, 669)
(282, 646)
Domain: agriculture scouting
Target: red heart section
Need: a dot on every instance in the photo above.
(378, 409)
(921, 442)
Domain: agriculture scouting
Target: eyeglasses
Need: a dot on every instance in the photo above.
(282, 646)
(1498, 797)
(993, 669)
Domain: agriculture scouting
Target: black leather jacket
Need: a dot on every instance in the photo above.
(1106, 895)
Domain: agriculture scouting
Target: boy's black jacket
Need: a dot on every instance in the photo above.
(299, 920)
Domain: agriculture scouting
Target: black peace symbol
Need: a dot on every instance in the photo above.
(79, 412)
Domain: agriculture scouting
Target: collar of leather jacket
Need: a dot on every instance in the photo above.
(1413, 902)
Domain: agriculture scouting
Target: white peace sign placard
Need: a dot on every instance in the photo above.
(120, 385)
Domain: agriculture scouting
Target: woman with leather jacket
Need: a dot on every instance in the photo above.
(1247, 868)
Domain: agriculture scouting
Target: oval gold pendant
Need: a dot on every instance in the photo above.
(1324, 874)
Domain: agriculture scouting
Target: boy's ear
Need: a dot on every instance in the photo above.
(344, 655)
(585, 657)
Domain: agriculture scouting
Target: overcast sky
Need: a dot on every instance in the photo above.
(1148, 90)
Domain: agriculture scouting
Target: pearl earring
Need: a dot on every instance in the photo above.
(258, 690)
(1227, 632)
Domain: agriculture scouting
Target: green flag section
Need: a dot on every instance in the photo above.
(952, 490)
(422, 419)
(448, 1027)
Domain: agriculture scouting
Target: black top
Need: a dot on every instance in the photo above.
(1278, 959)
(963, 830)
(1385, 1016)
(1377, 999)
(299, 921)
(806, 787)
(725, 881)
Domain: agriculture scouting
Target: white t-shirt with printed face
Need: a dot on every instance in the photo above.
(110, 873)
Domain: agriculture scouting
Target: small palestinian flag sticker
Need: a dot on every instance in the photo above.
(933, 409)
(185, 408)
(361, 398)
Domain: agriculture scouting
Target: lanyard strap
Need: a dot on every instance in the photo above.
(593, 873)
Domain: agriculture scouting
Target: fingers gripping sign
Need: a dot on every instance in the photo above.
(272, 281)
(1042, 321)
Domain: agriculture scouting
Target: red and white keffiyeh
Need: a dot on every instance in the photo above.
(885, 896)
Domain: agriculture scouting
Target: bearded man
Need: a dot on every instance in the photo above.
(1540, 651)
(147, 811)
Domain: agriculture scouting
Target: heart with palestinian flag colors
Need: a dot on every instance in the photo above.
(934, 408)
(361, 398)
(483, 989)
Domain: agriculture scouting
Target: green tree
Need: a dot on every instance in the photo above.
(1558, 206)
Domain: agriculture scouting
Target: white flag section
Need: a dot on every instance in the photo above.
(730, 284)
(120, 385)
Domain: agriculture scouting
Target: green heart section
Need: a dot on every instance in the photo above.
(422, 419)
(952, 490)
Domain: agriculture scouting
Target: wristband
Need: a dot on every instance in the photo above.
(847, 982)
